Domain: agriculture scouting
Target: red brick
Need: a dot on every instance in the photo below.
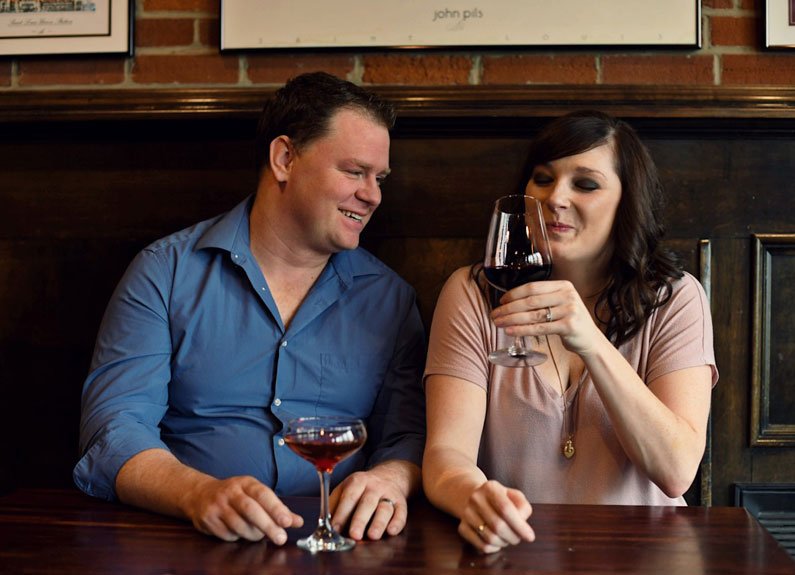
(209, 33)
(418, 70)
(185, 69)
(553, 69)
(758, 69)
(748, 4)
(5, 73)
(657, 69)
(181, 5)
(163, 32)
(728, 31)
(277, 68)
(718, 3)
(96, 70)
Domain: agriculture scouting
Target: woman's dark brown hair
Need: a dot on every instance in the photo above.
(641, 270)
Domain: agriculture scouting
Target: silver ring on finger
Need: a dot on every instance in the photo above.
(387, 500)
(548, 317)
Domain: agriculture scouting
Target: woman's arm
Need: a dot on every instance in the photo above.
(662, 425)
(456, 410)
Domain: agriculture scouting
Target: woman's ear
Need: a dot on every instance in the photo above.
(282, 154)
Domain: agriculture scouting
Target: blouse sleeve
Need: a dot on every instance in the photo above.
(681, 334)
(461, 332)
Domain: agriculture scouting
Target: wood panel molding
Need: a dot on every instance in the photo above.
(684, 102)
(773, 337)
(705, 470)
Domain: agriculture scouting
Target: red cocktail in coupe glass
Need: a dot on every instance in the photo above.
(324, 442)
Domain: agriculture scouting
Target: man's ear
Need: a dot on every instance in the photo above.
(282, 154)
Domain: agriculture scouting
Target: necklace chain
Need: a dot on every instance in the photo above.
(568, 422)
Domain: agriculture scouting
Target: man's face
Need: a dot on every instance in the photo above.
(334, 182)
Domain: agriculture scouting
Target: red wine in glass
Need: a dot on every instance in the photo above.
(325, 441)
(508, 277)
(517, 252)
(324, 452)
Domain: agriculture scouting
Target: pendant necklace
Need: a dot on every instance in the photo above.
(569, 420)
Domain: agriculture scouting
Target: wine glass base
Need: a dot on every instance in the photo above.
(516, 357)
(325, 542)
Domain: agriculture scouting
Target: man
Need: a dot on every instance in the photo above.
(219, 334)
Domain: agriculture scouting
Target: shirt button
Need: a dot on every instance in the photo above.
(235, 256)
(281, 442)
(277, 402)
(284, 343)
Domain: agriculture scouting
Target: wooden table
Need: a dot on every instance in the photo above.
(59, 531)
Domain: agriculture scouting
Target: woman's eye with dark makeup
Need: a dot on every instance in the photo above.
(541, 179)
(587, 185)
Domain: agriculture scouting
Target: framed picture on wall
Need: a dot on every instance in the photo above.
(253, 24)
(66, 26)
(779, 23)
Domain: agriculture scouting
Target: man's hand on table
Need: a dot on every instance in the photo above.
(240, 507)
(376, 497)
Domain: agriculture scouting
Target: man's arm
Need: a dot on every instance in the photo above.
(238, 507)
(124, 399)
(126, 393)
(379, 495)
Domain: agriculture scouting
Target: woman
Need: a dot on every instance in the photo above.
(618, 413)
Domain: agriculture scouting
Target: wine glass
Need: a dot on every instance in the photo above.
(324, 442)
(517, 252)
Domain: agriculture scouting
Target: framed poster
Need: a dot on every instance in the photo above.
(253, 24)
(779, 23)
(66, 26)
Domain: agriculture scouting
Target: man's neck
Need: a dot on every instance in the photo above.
(289, 271)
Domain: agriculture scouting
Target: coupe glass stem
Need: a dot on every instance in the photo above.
(324, 521)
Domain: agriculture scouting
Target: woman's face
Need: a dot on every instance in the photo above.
(580, 196)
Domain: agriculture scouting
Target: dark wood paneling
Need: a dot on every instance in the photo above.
(772, 392)
(714, 103)
(731, 298)
(88, 179)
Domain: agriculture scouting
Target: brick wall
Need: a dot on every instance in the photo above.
(176, 45)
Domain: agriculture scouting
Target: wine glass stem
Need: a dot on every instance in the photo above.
(324, 521)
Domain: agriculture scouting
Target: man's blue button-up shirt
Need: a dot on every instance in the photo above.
(192, 356)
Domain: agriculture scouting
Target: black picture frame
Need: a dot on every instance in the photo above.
(365, 24)
(43, 27)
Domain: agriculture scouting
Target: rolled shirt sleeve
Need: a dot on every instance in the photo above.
(126, 394)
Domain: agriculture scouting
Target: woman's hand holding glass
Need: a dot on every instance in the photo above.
(524, 311)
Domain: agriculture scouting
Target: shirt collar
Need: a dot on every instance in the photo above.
(230, 232)
(354, 263)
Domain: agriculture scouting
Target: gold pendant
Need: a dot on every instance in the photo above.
(568, 448)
